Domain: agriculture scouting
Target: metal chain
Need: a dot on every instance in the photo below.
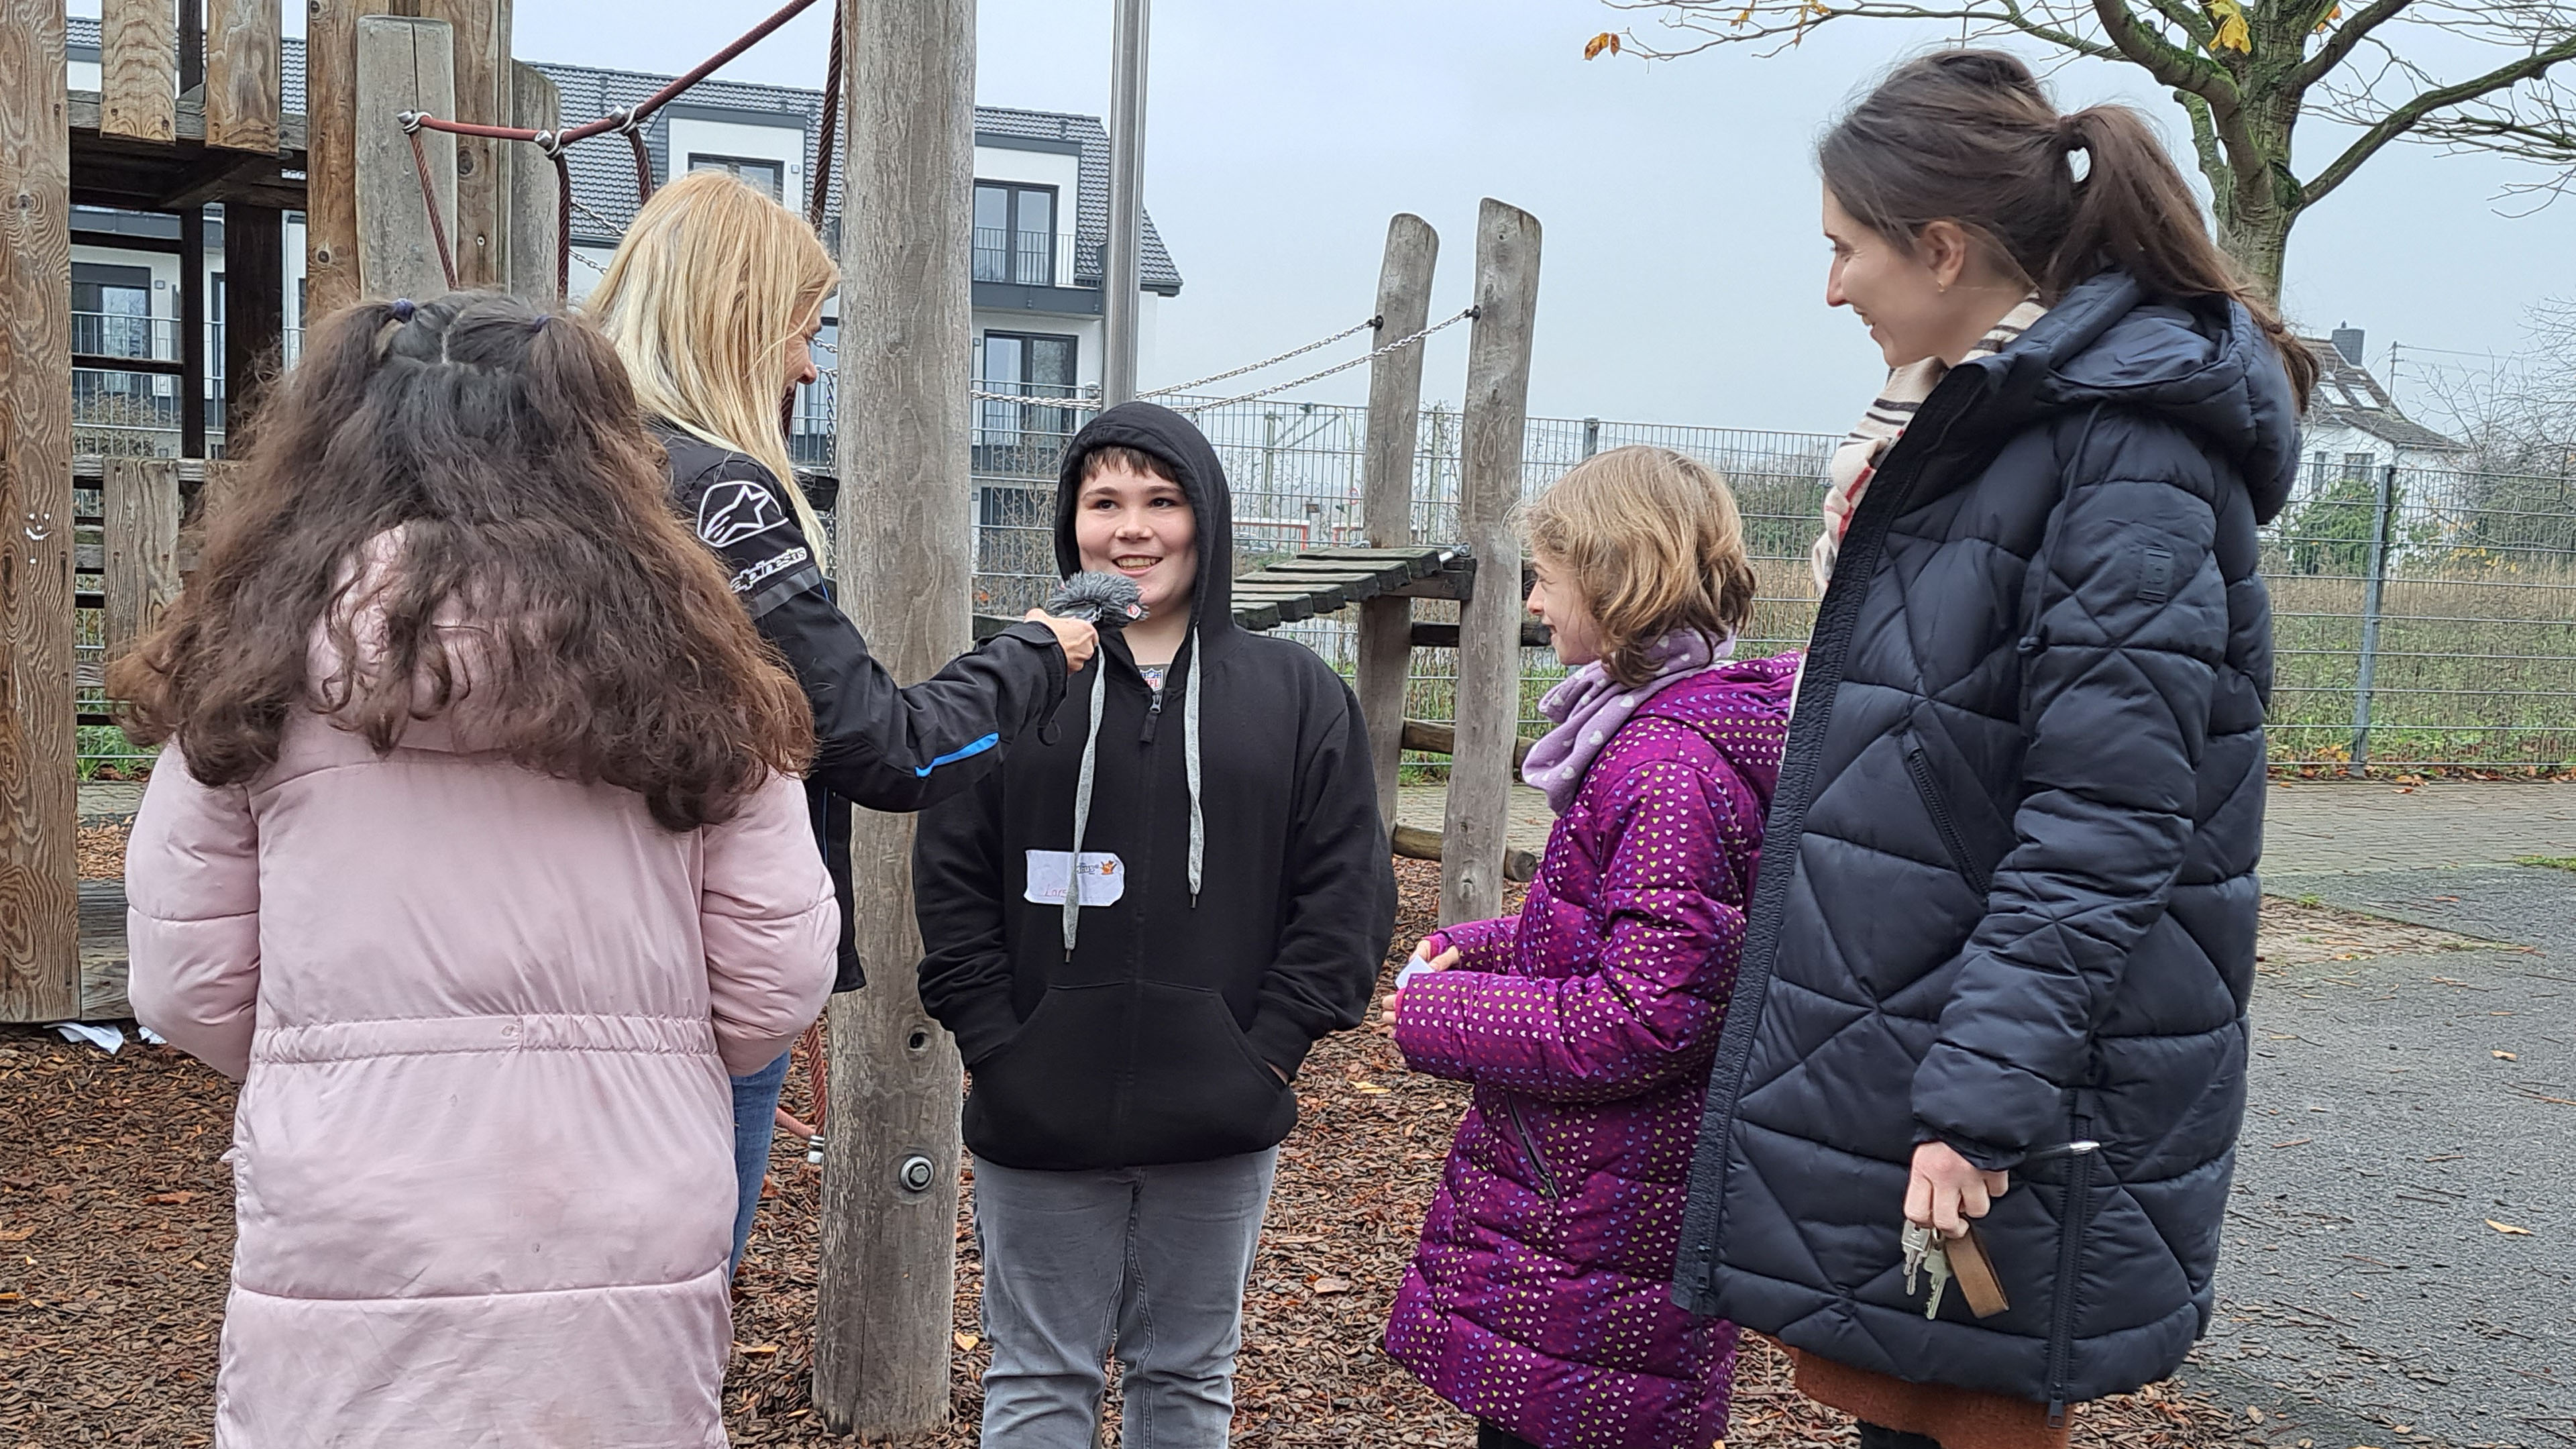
(1370, 356)
(1200, 382)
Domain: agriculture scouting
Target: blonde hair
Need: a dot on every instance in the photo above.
(1651, 542)
(712, 284)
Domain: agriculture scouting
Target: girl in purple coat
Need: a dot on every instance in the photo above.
(1539, 1300)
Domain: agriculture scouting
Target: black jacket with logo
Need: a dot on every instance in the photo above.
(1155, 1037)
(875, 743)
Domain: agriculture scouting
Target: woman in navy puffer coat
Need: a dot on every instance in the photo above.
(2007, 898)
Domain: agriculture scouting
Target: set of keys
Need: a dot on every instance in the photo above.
(1929, 1258)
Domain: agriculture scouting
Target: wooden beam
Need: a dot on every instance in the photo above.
(403, 65)
(139, 69)
(481, 35)
(1436, 634)
(535, 224)
(141, 576)
(331, 153)
(254, 309)
(243, 65)
(888, 1275)
(39, 910)
(1415, 843)
(1489, 654)
(1430, 738)
(1386, 488)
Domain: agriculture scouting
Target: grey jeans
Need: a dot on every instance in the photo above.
(1150, 1261)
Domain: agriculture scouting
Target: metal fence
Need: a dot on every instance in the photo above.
(2422, 619)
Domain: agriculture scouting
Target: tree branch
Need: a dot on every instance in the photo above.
(2340, 43)
(1767, 24)
(2408, 116)
(2187, 20)
(2164, 60)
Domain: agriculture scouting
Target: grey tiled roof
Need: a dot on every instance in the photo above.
(2348, 396)
(603, 170)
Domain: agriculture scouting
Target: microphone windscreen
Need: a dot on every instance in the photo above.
(1111, 601)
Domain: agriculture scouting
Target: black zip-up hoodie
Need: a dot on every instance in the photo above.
(1152, 1036)
(876, 743)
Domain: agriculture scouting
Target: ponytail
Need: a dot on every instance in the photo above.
(1969, 136)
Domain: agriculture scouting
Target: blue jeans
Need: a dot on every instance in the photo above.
(755, 1121)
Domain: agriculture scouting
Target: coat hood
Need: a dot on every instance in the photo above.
(1162, 433)
(2204, 363)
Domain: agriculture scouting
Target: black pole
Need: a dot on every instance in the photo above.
(192, 329)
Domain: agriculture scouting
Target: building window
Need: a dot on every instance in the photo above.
(763, 176)
(111, 310)
(2360, 465)
(1018, 438)
(1015, 234)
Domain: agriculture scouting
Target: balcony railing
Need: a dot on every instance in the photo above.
(1026, 257)
(136, 412)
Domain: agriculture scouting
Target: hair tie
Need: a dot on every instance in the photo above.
(2070, 132)
(542, 320)
(402, 309)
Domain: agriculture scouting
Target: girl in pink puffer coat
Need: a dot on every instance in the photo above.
(1539, 1300)
(475, 855)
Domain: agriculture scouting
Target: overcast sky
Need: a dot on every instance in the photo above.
(1683, 275)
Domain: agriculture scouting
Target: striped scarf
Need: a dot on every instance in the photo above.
(1855, 459)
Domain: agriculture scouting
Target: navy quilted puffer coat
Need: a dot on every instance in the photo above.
(2008, 895)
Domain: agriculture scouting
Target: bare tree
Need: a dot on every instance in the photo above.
(2246, 73)
(2516, 411)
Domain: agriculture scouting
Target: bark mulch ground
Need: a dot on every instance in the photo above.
(115, 1238)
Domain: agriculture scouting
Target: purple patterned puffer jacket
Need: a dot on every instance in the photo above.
(1540, 1298)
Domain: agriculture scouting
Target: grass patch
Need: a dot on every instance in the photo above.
(2554, 862)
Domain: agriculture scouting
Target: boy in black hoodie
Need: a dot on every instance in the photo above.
(1132, 1047)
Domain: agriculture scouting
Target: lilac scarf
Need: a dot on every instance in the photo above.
(1589, 706)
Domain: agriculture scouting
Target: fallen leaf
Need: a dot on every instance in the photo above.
(2508, 1229)
(1330, 1284)
(2504, 1056)
(755, 1349)
(17, 1235)
(2254, 1413)
(1368, 1089)
(171, 1199)
(966, 1342)
(1606, 40)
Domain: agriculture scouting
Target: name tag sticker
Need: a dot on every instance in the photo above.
(1103, 876)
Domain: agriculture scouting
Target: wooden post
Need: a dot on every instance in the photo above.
(254, 308)
(535, 210)
(888, 1277)
(403, 65)
(330, 157)
(1489, 635)
(1386, 489)
(140, 500)
(39, 910)
(482, 66)
(242, 69)
(138, 69)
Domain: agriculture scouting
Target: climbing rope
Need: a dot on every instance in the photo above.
(1366, 357)
(1196, 383)
(628, 121)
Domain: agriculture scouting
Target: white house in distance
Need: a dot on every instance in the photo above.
(1040, 225)
(2353, 429)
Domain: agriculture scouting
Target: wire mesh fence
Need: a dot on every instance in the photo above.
(2461, 654)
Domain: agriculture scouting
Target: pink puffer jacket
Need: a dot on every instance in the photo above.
(1541, 1298)
(483, 1156)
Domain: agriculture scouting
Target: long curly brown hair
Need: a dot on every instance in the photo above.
(493, 457)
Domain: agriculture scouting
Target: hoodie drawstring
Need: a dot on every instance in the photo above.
(1082, 791)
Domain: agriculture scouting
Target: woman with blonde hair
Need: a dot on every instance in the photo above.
(713, 301)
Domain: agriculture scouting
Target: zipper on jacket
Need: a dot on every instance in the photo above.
(1919, 765)
(1153, 708)
(2061, 1335)
(1529, 1149)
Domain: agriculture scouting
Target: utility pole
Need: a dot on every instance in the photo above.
(1122, 269)
(888, 1276)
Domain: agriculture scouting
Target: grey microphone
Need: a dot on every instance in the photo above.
(1107, 601)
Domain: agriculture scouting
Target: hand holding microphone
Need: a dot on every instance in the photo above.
(1085, 604)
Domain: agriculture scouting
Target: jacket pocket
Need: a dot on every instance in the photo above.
(1198, 1090)
(1539, 1167)
(1042, 1099)
(1927, 784)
